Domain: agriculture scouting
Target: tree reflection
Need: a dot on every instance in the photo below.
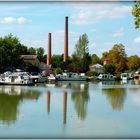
(10, 98)
(80, 97)
(116, 97)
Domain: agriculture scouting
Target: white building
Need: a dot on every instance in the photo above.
(96, 68)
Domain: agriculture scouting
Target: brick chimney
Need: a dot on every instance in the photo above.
(49, 49)
(66, 40)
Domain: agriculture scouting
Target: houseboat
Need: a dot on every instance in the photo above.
(106, 77)
(69, 76)
(15, 78)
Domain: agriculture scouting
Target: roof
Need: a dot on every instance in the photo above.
(29, 57)
(96, 65)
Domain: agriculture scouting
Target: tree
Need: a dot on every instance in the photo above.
(136, 13)
(81, 48)
(40, 53)
(81, 58)
(95, 59)
(133, 62)
(109, 68)
(32, 51)
(117, 57)
(10, 51)
(58, 71)
(57, 61)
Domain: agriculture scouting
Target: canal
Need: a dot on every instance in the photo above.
(71, 110)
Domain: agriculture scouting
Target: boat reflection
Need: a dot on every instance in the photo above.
(10, 99)
(116, 97)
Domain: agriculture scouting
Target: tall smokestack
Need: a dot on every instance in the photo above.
(66, 40)
(49, 49)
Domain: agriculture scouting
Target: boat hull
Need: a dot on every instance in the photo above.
(13, 83)
(68, 79)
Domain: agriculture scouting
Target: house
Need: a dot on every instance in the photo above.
(96, 68)
(106, 61)
(31, 58)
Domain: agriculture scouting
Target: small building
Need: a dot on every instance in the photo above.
(45, 69)
(31, 58)
(96, 68)
(106, 61)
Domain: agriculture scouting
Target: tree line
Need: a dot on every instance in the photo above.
(11, 49)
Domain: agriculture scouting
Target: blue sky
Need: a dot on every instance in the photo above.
(105, 23)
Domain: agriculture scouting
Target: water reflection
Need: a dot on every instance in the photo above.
(48, 94)
(10, 98)
(64, 107)
(116, 97)
(80, 98)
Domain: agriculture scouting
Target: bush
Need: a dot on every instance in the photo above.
(58, 71)
(91, 73)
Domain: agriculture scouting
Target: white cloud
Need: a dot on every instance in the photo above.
(118, 33)
(85, 14)
(12, 20)
(22, 20)
(137, 40)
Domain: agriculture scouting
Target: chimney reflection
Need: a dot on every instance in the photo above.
(48, 94)
(64, 107)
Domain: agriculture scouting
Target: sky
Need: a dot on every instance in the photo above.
(105, 23)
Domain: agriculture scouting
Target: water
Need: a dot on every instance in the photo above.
(71, 110)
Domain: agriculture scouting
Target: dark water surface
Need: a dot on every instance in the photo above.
(71, 110)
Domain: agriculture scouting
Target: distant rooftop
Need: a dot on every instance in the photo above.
(29, 57)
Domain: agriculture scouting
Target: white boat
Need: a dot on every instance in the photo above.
(72, 77)
(106, 77)
(51, 77)
(124, 76)
(38, 78)
(15, 78)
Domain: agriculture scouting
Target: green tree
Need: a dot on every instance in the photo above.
(40, 53)
(10, 51)
(58, 71)
(81, 58)
(57, 61)
(136, 13)
(81, 47)
(32, 51)
(95, 59)
(109, 68)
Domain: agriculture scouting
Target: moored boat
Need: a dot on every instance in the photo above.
(69, 76)
(124, 76)
(15, 78)
(106, 77)
(51, 77)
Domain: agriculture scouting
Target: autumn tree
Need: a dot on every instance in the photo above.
(118, 57)
(133, 62)
(136, 13)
